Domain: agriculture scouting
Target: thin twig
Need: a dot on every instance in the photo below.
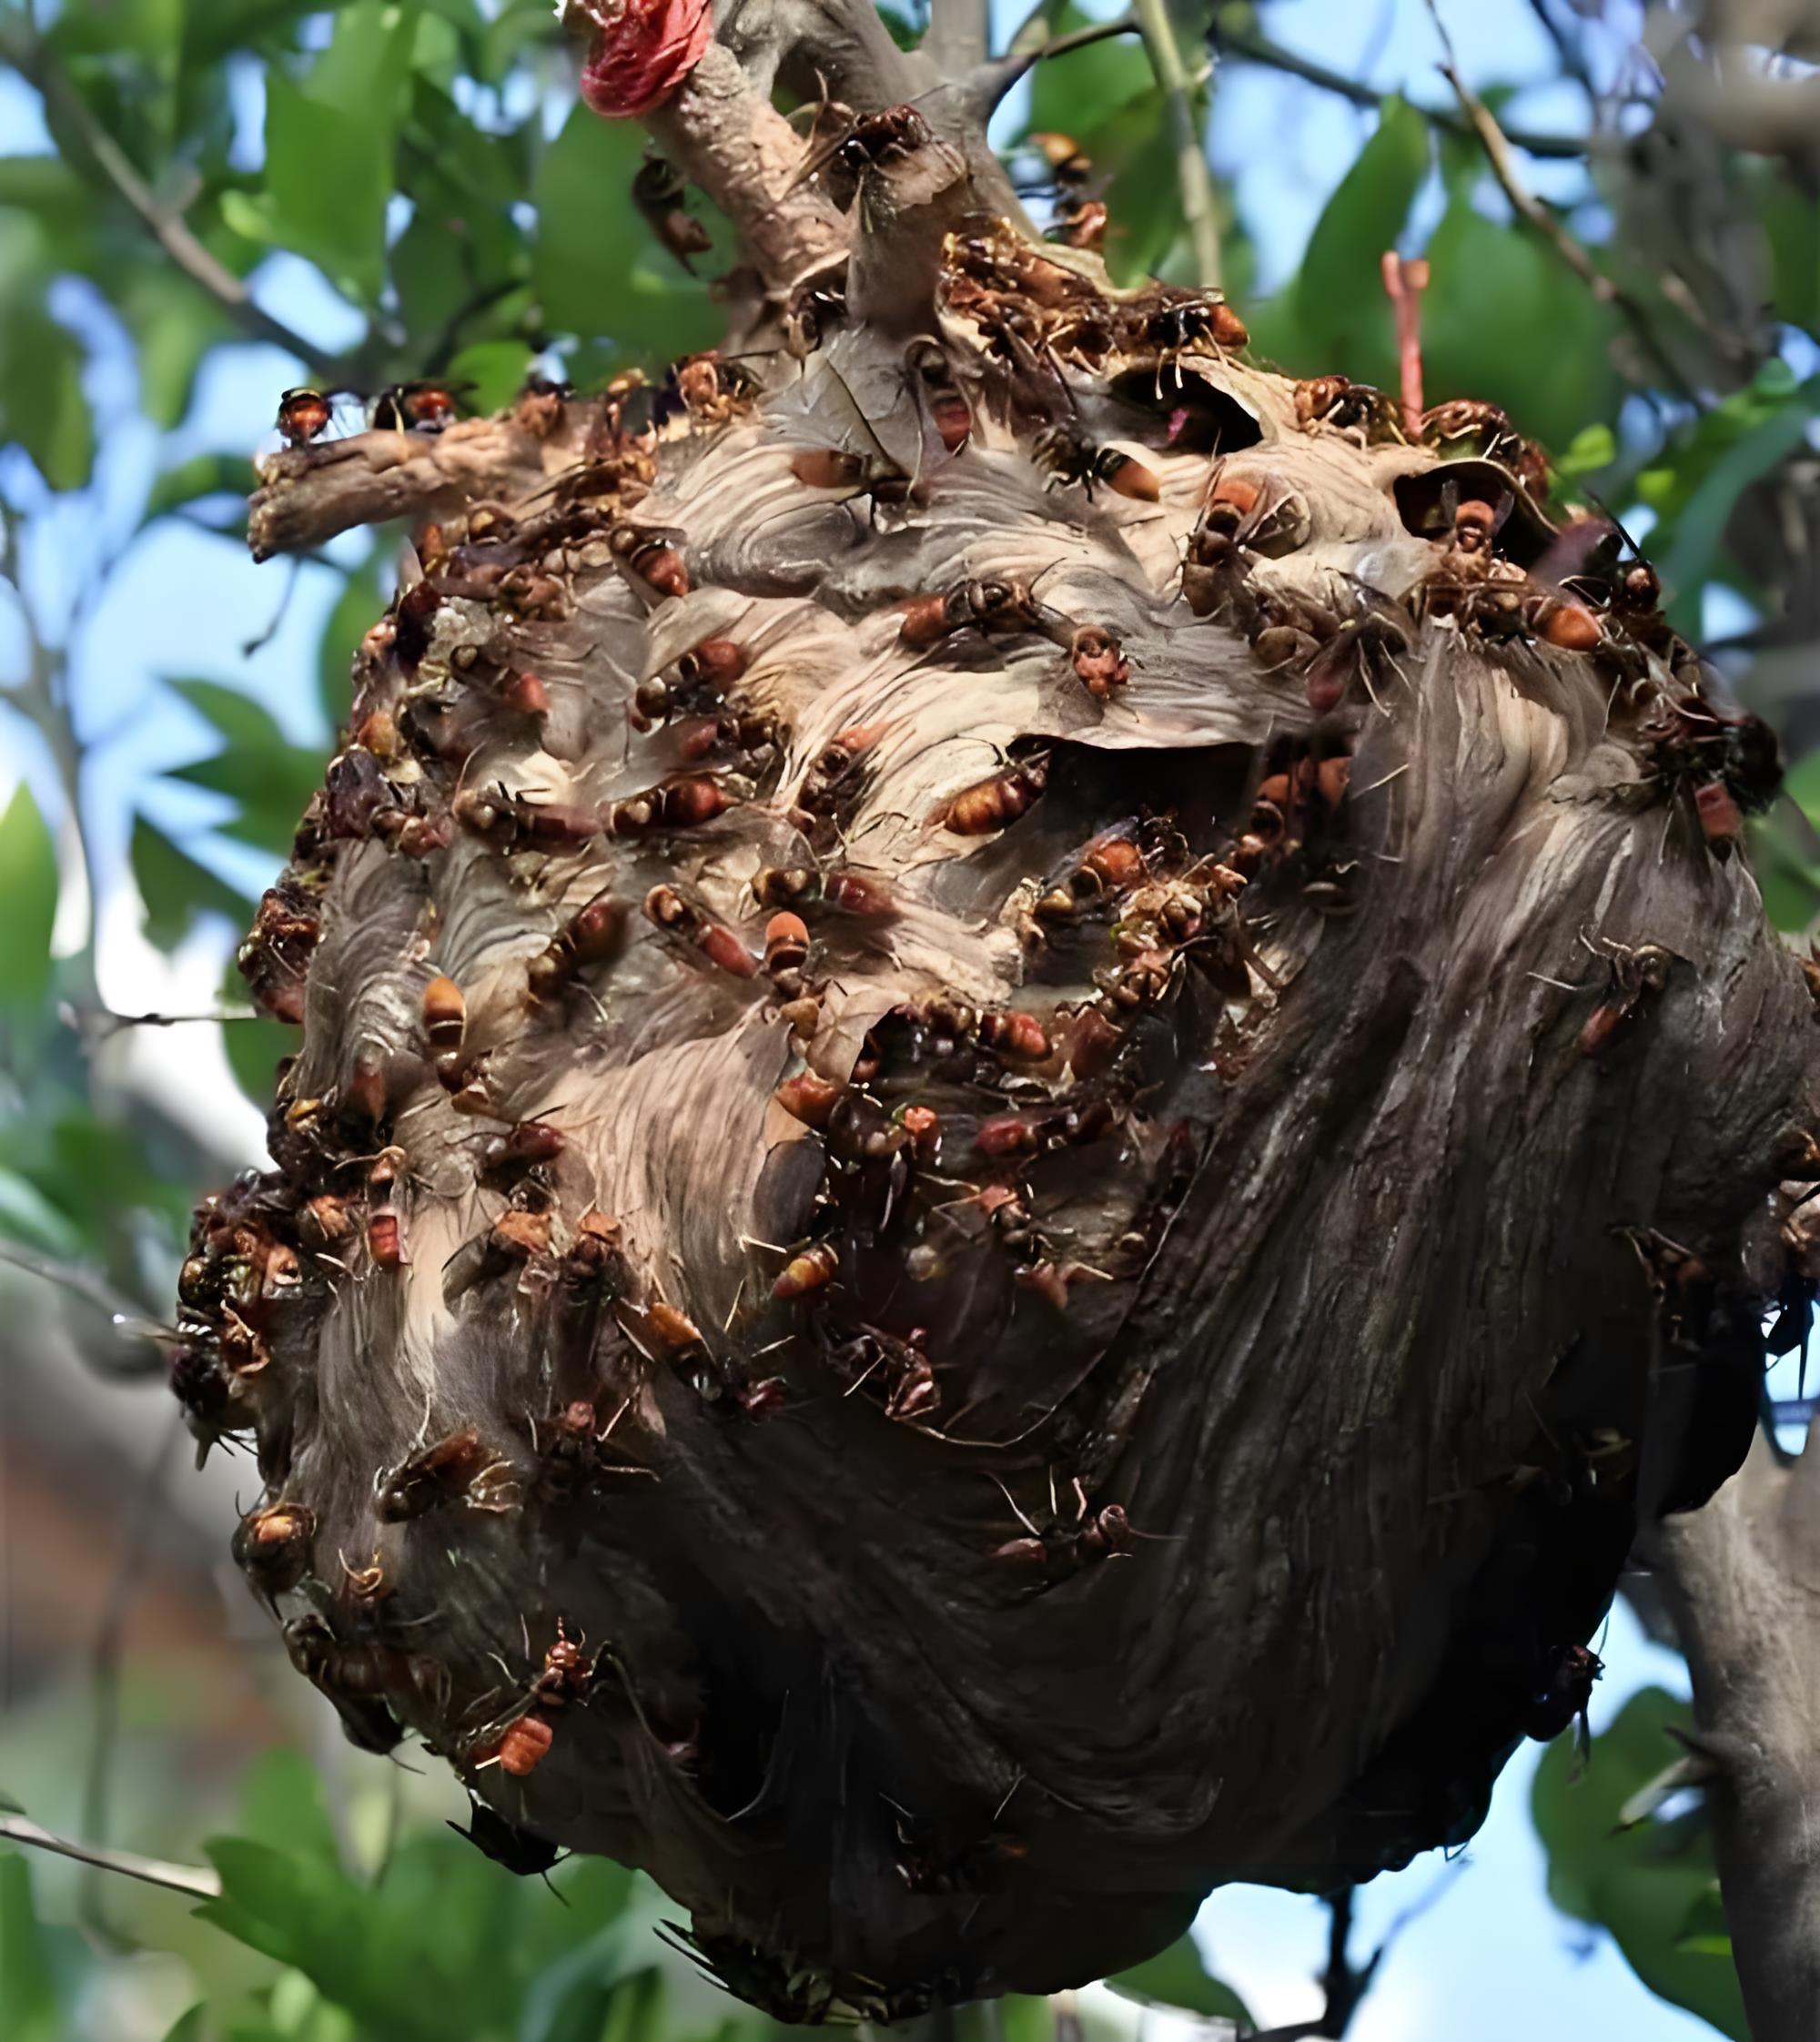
(1191, 166)
(1497, 147)
(989, 84)
(193, 1879)
(28, 55)
(1255, 48)
(126, 1320)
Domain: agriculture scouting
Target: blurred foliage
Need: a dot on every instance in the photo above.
(435, 1943)
(419, 168)
(1637, 1865)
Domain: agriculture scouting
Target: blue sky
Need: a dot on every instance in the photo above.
(1491, 1958)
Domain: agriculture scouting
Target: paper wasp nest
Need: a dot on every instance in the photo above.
(1038, 1083)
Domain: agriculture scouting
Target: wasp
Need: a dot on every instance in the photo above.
(1072, 459)
(353, 1677)
(1369, 639)
(657, 193)
(949, 413)
(1348, 407)
(652, 557)
(994, 804)
(593, 935)
(1563, 1692)
(424, 406)
(459, 1468)
(521, 1851)
(984, 605)
(667, 910)
(869, 141)
(1488, 428)
(304, 414)
(1635, 975)
(272, 1546)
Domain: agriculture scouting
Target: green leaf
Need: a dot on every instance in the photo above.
(1177, 1978)
(1641, 1883)
(28, 887)
(174, 325)
(1342, 315)
(271, 779)
(591, 264)
(1591, 449)
(1705, 1928)
(1702, 527)
(234, 713)
(328, 150)
(176, 888)
(1791, 223)
(1076, 94)
(568, 2000)
(28, 2002)
(282, 1804)
(1504, 318)
(192, 2026)
(42, 405)
(495, 367)
(202, 475)
(27, 1216)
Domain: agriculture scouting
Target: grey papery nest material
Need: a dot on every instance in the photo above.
(1031, 1109)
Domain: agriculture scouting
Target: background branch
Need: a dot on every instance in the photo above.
(959, 36)
(1198, 212)
(1497, 147)
(192, 1879)
(69, 114)
(1741, 1577)
(1255, 48)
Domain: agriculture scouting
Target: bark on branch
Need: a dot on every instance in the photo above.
(1744, 1581)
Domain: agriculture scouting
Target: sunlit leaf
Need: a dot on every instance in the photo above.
(28, 1216)
(1640, 1882)
(1700, 530)
(28, 2000)
(495, 367)
(1342, 318)
(28, 888)
(1705, 1929)
(201, 476)
(42, 404)
(328, 149)
(1178, 1977)
(176, 889)
(591, 265)
(1503, 317)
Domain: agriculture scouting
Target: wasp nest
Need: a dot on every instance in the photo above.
(1039, 1087)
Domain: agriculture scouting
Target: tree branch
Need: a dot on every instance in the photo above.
(1497, 147)
(67, 110)
(192, 1879)
(1254, 48)
(1742, 1582)
(1191, 168)
(959, 35)
(988, 83)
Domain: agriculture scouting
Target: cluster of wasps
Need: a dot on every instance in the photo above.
(1504, 572)
(426, 404)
